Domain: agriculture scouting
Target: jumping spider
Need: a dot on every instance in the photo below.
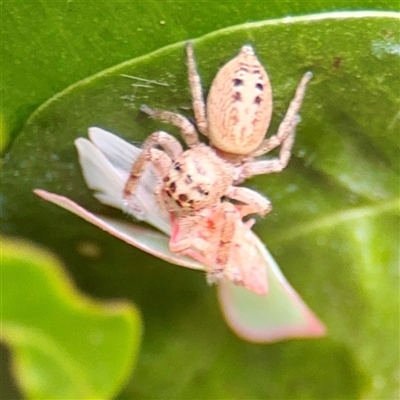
(196, 183)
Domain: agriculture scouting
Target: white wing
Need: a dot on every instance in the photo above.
(106, 161)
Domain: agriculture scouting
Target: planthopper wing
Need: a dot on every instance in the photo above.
(279, 315)
(106, 161)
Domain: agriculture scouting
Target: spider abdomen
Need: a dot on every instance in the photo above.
(239, 105)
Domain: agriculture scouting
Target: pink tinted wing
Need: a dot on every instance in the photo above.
(280, 315)
(139, 236)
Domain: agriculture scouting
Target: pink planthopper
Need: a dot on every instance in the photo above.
(222, 242)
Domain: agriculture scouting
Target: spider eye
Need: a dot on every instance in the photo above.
(172, 187)
(182, 197)
(177, 166)
(237, 82)
(202, 192)
(259, 86)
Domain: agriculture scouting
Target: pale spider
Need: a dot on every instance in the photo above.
(194, 182)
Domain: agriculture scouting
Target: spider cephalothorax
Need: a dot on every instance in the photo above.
(191, 183)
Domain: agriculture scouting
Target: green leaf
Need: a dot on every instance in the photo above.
(4, 135)
(334, 230)
(63, 344)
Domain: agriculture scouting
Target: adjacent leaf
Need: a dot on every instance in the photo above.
(334, 229)
(63, 344)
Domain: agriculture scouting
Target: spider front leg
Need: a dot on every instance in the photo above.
(224, 219)
(254, 203)
(172, 149)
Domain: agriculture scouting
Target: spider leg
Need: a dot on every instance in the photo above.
(188, 130)
(227, 232)
(162, 163)
(289, 122)
(254, 203)
(199, 107)
(172, 150)
(251, 168)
